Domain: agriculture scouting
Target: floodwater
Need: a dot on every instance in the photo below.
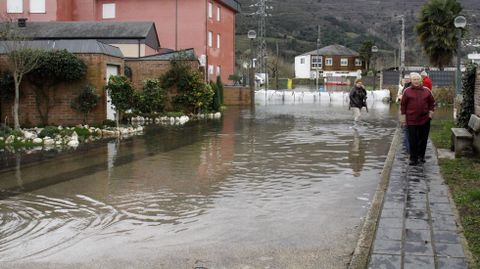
(281, 186)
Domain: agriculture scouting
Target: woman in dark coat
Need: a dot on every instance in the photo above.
(358, 99)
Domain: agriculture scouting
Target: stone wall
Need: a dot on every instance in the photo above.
(236, 96)
(62, 113)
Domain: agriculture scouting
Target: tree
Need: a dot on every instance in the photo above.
(366, 53)
(122, 93)
(152, 98)
(436, 30)
(468, 100)
(54, 67)
(86, 101)
(22, 59)
(193, 94)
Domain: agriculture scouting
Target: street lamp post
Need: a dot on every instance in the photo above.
(460, 22)
(374, 51)
(252, 35)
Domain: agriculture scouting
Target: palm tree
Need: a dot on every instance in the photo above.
(436, 30)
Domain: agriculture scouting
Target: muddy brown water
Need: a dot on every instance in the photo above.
(283, 186)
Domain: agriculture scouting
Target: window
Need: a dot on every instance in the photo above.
(302, 60)
(218, 14)
(210, 39)
(329, 61)
(108, 11)
(210, 9)
(37, 6)
(210, 69)
(218, 41)
(14, 6)
(218, 70)
(344, 62)
(316, 61)
(358, 62)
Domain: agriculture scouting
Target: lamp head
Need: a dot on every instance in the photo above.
(460, 22)
(252, 34)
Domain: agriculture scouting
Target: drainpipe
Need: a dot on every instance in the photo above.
(176, 25)
(139, 50)
(206, 43)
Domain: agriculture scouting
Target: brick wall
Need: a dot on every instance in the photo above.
(477, 93)
(146, 69)
(142, 70)
(233, 96)
(62, 113)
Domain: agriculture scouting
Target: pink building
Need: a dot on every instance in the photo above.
(207, 26)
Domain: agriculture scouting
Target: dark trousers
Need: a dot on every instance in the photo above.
(417, 138)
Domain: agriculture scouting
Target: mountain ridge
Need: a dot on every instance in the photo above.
(344, 22)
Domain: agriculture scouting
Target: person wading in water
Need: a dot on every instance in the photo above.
(358, 99)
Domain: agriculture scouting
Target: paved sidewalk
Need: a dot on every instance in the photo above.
(417, 227)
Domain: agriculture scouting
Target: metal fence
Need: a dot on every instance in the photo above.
(439, 78)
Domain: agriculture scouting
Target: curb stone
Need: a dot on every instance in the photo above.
(362, 251)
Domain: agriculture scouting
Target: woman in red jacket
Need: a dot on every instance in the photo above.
(427, 82)
(417, 108)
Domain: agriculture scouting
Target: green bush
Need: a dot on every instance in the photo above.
(122, 93)
(81, 132)
(468, 102)
(86, 101)
(50, 131)
(220, 90)
(193, 94)
(109, 123)
(443, 95)
(152, 98)
(54, 67)
(5, 130)
(216, 97)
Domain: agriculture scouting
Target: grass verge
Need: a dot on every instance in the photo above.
(463, 177)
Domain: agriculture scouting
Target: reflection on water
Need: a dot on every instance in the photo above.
(356, 155)
(281, 185)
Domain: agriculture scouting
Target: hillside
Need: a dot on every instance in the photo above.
(293, 24)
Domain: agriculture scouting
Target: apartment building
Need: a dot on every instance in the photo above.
(207, 26)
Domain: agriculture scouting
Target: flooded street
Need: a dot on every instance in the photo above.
(283, 186)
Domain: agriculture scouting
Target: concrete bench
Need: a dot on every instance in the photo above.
(462, 139)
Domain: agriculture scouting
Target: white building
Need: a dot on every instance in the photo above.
(329, 61)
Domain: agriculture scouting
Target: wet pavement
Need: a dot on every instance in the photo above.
(417, 227)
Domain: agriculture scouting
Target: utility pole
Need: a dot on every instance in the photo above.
(402, 48)
(317, 67)
(261, 14)
(276, 67)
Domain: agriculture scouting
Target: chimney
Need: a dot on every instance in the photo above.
(22, 22)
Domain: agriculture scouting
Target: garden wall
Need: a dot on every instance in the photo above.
(62, 113)
(236, 96)
(143, 69)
